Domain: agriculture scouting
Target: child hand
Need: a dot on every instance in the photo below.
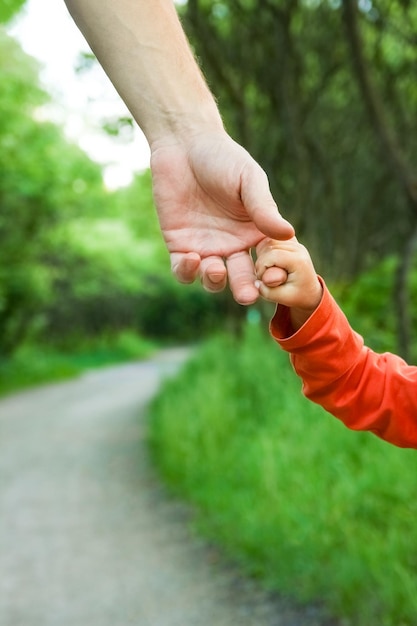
(287, 276)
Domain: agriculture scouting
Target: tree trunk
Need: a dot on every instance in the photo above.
(401, 296)
(394, 154)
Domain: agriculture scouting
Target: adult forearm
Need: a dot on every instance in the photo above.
(142, 47)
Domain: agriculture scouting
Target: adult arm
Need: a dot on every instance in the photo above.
(365, 390)
(212, 198)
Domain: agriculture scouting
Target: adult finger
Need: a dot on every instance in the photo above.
(274, 277)
(268, 293)
(241, 272)
(213, 274)
(185, 266)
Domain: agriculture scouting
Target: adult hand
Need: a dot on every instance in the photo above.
(212, 198)
(214, 205)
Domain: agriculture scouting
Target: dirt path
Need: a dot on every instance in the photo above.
(87, 535)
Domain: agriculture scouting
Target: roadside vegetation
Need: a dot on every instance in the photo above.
(35, 364)
(316, 512)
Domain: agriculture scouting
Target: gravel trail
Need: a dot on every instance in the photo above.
(87, 535)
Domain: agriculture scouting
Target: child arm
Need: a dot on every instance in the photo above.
(365, 390)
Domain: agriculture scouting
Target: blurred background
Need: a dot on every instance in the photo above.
(84, 272)
(323, 93)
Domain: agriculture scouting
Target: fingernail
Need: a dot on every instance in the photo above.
(216, 278)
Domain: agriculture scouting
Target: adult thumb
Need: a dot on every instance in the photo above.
(261, 206)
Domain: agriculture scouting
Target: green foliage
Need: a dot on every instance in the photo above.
(44, 181)
(153, 304)
(76, 260)
(322, 93)
(317, 512)
(283, 75)
(113, 347)
(170, 311)
(33, 364)
(9, 8)
(369, 303)
(106, 255)
(121, 127)
(134, 204)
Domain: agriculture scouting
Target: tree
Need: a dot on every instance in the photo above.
(282, 71)
(76, 259)
(44, 179)
(391, 123)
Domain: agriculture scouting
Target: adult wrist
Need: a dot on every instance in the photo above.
(176, 127)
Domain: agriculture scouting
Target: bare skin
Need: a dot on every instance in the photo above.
(286, 275)
(212, 198)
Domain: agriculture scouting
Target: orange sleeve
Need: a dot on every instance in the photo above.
(365, 390)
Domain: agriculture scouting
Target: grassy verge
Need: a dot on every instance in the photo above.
(34, 364)
(316, 511)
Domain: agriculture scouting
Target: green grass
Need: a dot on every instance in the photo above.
(35, 364)
(315, 511)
